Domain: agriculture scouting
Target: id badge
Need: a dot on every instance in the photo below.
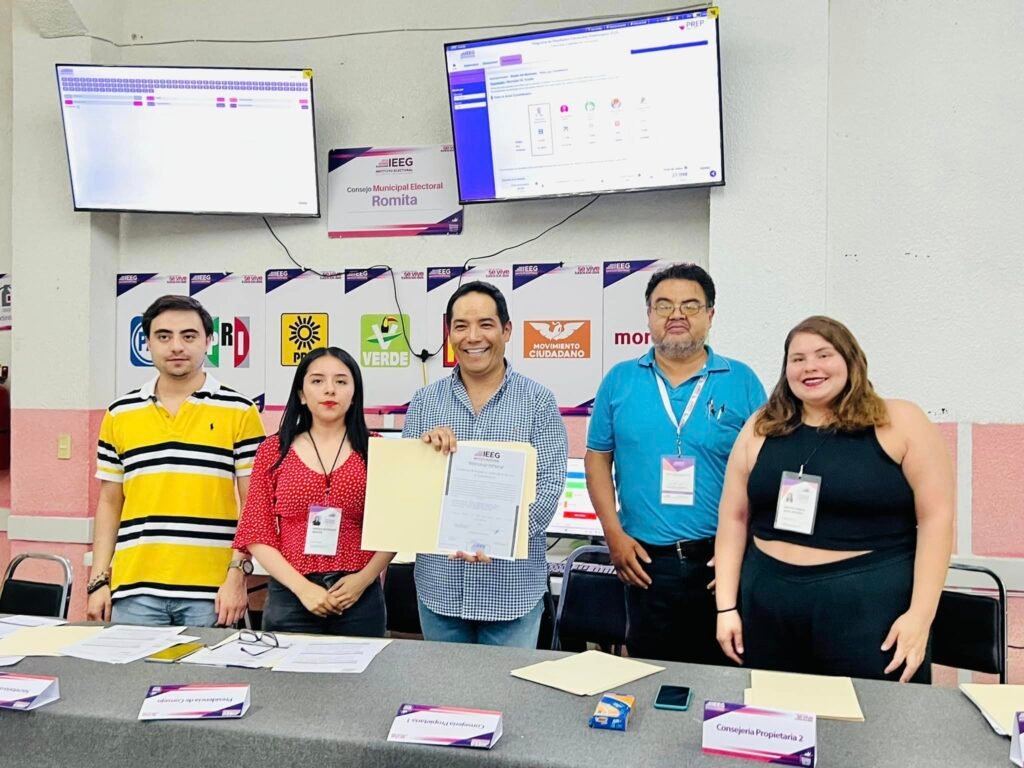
(798, 503)
(678, 480)
(323, 527)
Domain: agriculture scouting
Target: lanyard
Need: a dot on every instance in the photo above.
(803, 464)
(327, 475)
(680, 423)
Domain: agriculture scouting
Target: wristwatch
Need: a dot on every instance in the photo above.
(245, 566)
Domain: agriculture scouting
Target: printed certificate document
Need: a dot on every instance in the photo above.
(481, 504)
(418, 500)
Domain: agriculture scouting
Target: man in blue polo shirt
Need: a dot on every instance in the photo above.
(666, 424)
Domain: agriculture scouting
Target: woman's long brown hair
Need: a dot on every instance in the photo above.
(857, 407)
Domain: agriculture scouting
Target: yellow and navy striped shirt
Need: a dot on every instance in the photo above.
(178, 473)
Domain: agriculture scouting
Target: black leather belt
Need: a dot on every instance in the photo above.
(698, 549)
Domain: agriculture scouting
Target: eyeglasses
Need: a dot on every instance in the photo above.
(688, 308)
(261, 642)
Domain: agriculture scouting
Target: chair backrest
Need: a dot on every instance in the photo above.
(969, 631)
(591, 606)
(400, 599)
(36, 598)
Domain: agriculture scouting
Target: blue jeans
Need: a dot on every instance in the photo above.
(517, 633)
(153, 611)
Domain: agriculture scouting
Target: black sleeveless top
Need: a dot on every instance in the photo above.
(864, 501)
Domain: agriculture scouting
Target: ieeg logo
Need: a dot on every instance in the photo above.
(138, 347)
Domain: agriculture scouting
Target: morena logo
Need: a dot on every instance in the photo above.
(627, 338)
(395, 162)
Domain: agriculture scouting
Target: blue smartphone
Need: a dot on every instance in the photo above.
(675, 697)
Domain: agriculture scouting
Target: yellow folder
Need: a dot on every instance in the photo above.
(998, 703)
(405, 489)
(44, 641)
(830, 698)
(587, 673)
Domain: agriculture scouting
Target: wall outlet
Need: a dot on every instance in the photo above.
(63, 446)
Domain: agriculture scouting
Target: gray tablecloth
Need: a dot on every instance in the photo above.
(343, 720)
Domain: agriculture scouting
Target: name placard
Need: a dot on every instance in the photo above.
(446, 726)
(1017, 740)
(27, 692)
(765, 735)
(195, 702)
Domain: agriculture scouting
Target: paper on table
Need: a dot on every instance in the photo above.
(44, 641)
(998, 703)
(406, 516)
(338, 655)
(124, 644)
(230, 652)
(831, 698)
(10, 661)
(587, 673)
(9, 624)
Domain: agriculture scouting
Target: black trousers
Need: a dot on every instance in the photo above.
(826, 619)
(674, 619)
(286, 613)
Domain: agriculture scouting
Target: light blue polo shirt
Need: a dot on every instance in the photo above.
(629, 420)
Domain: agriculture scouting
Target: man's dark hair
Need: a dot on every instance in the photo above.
(683, 272)
(478, 286)
(176, 304)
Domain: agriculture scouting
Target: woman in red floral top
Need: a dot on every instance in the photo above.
(303, 517)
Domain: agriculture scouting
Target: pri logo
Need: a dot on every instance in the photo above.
(556, 339)
(383, 341)
(138, 347)
(301, 333)
(231, 336)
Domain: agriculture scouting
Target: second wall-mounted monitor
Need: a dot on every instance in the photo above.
(190, 139)
(620, 106)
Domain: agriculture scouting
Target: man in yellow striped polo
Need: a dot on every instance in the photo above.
(171, 456)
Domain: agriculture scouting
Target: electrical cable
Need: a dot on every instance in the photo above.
(389, 31)
(423, 355)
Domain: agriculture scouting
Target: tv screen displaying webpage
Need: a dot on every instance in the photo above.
(190, 139)
(620, 106)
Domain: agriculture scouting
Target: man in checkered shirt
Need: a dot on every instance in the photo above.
(468, 597)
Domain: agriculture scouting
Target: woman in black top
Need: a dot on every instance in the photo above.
(848, 500)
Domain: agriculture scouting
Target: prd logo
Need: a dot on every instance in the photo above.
(382, 342)
(234, 336)
(301, 333)
(448, 360)
(138, 347)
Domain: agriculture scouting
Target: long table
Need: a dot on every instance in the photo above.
(343, 720)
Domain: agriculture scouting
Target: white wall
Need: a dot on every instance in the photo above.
(6, 127)
(872, 162)
(385, 89)
(63, 263)
(874, 165)
(925, 200)
(768, 224)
